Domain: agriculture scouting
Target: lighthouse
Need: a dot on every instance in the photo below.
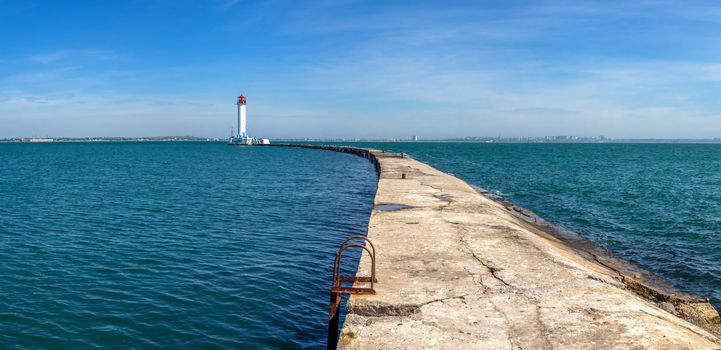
(242, 138)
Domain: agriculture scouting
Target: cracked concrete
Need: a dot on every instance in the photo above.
(456, 270)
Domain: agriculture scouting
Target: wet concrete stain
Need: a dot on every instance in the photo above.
(391, 207)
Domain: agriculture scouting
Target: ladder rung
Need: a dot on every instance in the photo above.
(353, 290)
(356, 279)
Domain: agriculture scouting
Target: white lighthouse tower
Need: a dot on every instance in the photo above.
(242, 130)
(242, 138)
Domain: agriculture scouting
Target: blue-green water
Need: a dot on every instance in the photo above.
(200, 245)
(656, 205)
(172, 245)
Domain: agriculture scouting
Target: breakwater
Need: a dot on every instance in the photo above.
(655, 205)
(458, 270)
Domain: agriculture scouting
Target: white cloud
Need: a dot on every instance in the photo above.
(73, 55)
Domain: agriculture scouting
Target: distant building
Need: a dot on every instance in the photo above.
(415, 138)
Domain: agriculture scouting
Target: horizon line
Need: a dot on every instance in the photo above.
(556, 139)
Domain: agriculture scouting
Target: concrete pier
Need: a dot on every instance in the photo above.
(457, 270)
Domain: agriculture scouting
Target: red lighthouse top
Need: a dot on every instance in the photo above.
(241, 99)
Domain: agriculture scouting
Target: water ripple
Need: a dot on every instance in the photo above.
(172, 245)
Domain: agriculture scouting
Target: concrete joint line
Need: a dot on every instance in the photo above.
(394, 310)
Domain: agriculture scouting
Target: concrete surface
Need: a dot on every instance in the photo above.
(456, 270)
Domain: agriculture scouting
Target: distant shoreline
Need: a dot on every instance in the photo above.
(510, 140)
(112, 139)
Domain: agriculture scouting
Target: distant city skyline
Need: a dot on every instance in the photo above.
(361, 69)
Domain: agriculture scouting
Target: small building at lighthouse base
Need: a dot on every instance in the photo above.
(246, 141)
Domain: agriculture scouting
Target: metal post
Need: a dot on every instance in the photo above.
(334, 320)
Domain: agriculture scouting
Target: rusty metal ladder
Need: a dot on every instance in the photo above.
(338, 289)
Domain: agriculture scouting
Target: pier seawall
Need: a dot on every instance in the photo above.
(458, 270)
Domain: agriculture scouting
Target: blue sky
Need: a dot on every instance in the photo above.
(361, 68)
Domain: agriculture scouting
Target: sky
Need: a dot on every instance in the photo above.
(361, 69)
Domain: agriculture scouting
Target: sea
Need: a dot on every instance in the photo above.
(173, 245)
(147, 245)
(656, 205)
